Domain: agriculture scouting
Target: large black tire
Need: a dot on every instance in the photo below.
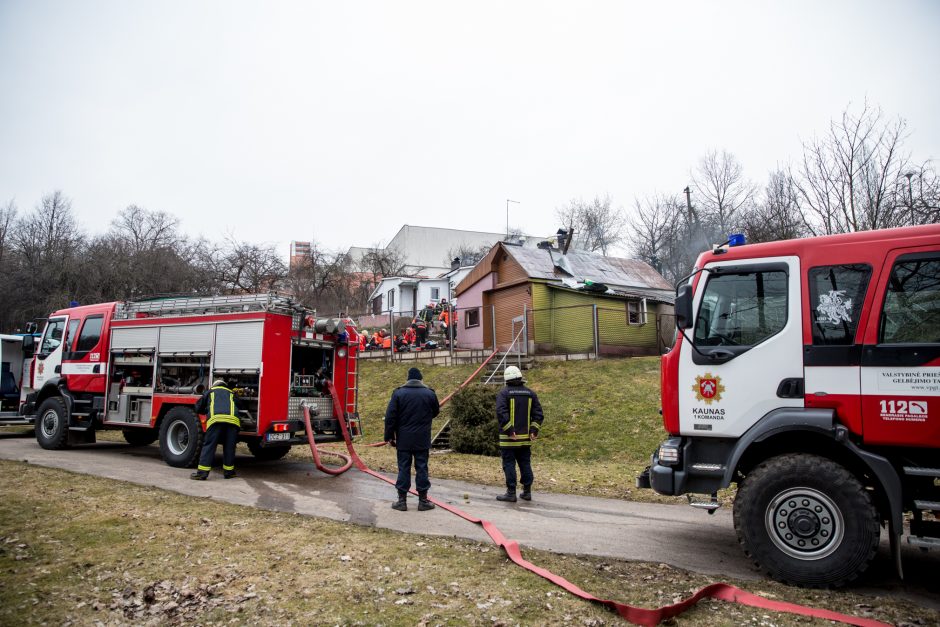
(140, 436)
(806, 521)
(181, 437)
(52, 424)
(267, 453)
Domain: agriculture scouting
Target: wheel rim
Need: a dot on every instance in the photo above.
(49, 423)
(177, 437)
(805, 523)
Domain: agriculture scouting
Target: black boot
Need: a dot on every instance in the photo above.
(402, 503)
(526, 493)
(228, 474)
(200, 475)
(509, 497)
(423, 503)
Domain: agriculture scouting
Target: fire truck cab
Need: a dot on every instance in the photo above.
(141, 366)
(807, 372)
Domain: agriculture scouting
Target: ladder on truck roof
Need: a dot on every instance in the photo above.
(196, 305)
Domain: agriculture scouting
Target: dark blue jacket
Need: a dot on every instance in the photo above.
(519, 415)
(409, 414)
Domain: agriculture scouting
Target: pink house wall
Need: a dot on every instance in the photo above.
(473, 297)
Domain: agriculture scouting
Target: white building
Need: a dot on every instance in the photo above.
(406, 295)
(427, 250)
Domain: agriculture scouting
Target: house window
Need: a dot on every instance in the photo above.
(472, 318)
(391, 298)
(636, 311)
(435, 293)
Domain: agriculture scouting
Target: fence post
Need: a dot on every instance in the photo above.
(525, 335)
(450, 330)
(597, 334)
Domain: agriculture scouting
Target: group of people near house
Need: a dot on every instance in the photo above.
(414, 337)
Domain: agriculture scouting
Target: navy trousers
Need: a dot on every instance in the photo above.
(521, 455)
(422, 482)
(224, 433)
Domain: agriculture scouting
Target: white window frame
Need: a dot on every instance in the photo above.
(636, 312)
(435, 293)
(390, 297)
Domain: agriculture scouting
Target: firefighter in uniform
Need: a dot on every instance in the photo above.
(220, 406)
(519, 414)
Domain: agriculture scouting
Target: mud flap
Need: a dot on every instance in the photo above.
(84, 436)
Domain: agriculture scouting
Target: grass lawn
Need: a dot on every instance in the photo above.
(82, 550)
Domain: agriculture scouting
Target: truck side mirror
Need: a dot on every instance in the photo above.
(29, 344)
(684, 306)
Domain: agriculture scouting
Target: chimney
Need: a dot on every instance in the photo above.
(455, 263)
(561, 236)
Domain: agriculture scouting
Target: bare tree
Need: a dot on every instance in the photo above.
(244, 267)
(468, 255)
(655, 234)
(383, 261)
(7, 220)
(598, 226)
(776, 215)
(852, 178)
(722, 188)
(325, 280)
(142, 230)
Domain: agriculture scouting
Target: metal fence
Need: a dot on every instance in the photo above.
(584, 330)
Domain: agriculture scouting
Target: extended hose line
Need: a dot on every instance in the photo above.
(636, 615)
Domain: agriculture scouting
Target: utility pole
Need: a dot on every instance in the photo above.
(509, 200)
(688, 202)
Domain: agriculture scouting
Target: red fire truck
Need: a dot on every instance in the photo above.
(141, 366)
(808, 373)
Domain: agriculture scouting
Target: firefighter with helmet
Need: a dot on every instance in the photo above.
(519, 414)
(220, 406)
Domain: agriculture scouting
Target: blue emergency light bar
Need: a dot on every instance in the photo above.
(736, 239)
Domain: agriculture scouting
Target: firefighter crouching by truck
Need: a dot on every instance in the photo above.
(220, 406)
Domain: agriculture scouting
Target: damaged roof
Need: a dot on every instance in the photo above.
(584, 266)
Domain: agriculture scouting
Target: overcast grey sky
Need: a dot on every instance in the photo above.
(340, 121)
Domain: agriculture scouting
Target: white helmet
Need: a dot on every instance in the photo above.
(511, 373)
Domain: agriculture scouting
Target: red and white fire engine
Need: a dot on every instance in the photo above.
(141, 366)
(808, 373)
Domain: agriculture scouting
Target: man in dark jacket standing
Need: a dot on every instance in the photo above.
(519, 414)
(408, 428)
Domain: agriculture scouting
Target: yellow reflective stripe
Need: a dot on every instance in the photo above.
(512, 413)
(232, 420)
(224, 467)
(537, 426)
(528, 417)
(514, 443)
(205, 468)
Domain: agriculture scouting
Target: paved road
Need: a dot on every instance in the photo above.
(673, 534)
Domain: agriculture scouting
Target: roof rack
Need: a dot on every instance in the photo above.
(200, 305)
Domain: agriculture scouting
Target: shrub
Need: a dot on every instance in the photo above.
(473, 426)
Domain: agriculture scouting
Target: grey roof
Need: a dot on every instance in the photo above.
(619, 274)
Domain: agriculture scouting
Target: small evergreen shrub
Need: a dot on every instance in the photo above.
(473, 426)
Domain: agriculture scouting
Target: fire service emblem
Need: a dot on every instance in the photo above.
(708, 388)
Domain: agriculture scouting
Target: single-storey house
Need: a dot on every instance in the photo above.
(404, 296)
(578, 302)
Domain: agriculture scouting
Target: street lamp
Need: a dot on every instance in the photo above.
(910, 195)
(509, 200)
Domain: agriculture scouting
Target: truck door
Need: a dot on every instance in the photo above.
(900, 370)
(747, 347)
(49, 356)
(84, 361)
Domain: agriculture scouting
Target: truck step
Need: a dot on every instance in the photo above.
(918, 471)
(709, 505)
(933, 506)
(924, 543)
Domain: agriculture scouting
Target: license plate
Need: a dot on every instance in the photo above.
(277, 437)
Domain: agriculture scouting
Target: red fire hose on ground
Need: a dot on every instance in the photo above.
(636, 615)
